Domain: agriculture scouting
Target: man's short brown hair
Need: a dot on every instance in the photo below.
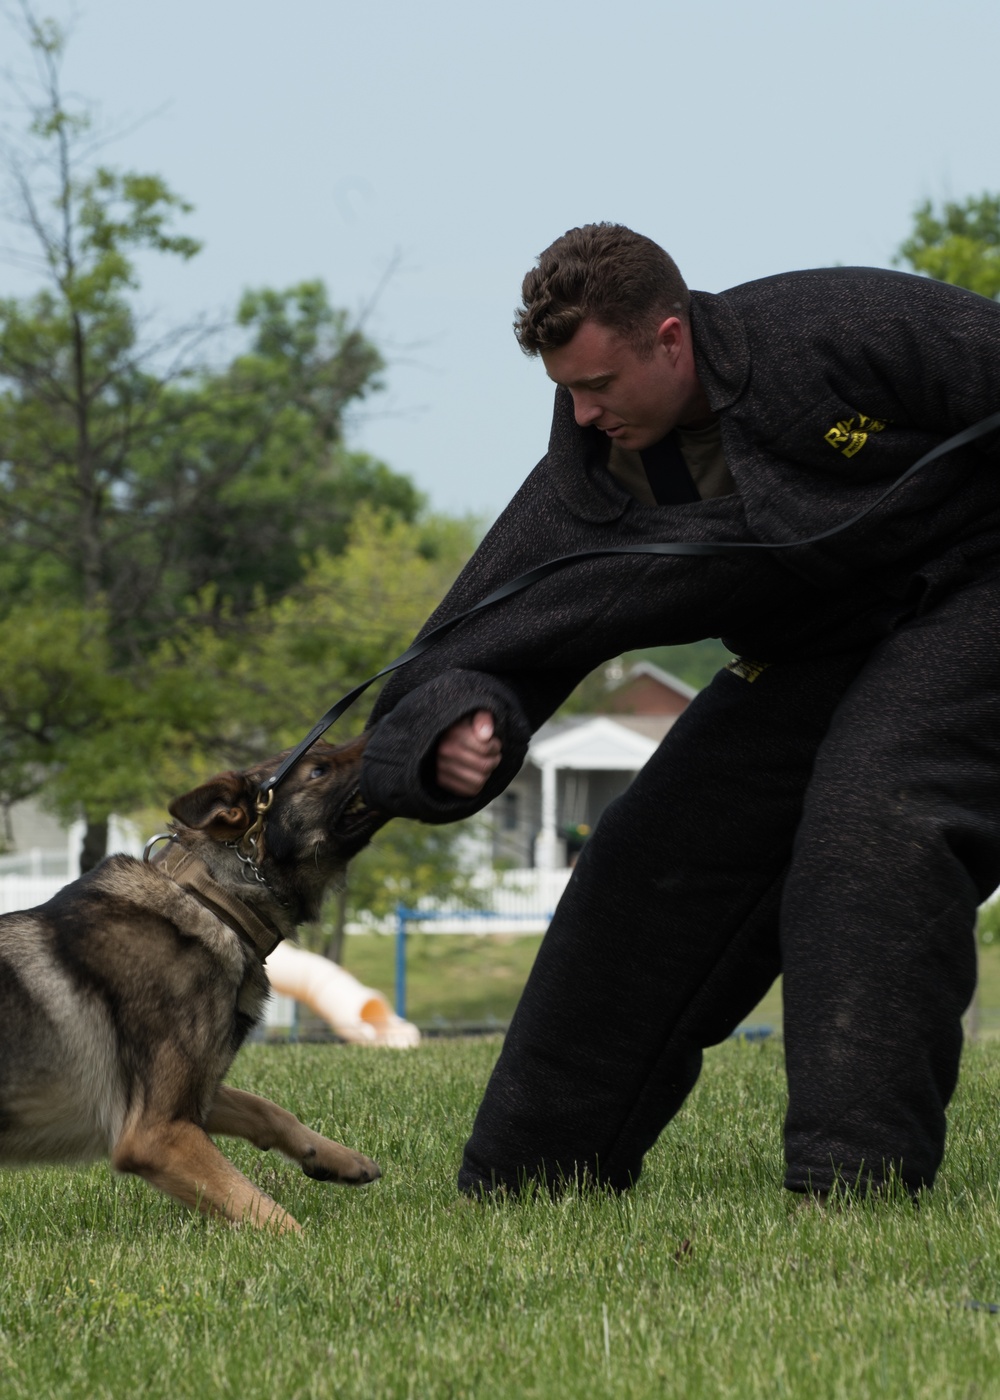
(600, 272)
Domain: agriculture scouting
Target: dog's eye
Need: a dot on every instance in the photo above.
(318, 771)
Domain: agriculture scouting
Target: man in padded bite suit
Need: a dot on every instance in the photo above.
(828, 808)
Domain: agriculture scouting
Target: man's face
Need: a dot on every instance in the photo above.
(636, 401)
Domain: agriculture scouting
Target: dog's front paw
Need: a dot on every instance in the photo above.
(331, 1162)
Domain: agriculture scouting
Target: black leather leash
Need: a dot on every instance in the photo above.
(551, 566)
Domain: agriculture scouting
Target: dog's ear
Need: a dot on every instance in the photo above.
(222, 808)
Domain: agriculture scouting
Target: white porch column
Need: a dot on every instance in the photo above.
(549, 853)
(74, 848)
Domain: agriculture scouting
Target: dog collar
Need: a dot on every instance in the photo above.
(192, 874)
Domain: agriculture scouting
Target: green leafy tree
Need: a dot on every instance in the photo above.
(959, 244)
(77, 393)
(75, 398)
(139, 490)
(255, 682)
(73, 722)
(252, 685)
(250, 465)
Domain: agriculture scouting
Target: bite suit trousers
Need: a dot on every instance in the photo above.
(835, 819)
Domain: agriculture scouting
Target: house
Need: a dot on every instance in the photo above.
(577, 765)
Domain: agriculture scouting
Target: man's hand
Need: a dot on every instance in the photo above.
(467, 755)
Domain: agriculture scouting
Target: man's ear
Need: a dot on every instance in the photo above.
(670, 335)
(222, 808)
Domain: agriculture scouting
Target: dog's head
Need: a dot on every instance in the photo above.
(316, 821)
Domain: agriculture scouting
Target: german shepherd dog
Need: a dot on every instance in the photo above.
(124, 1000)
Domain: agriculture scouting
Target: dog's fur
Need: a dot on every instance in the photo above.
(124, 1000)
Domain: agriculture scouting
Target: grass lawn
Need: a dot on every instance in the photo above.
(463, 979)
(706, 1281)
(451, 979)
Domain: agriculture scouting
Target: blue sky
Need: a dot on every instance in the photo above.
(451, 143)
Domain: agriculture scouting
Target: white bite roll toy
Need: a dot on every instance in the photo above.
(356, 1013)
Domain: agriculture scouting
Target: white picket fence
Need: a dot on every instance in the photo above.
(32, 877)
(511, 901)
(28, 891)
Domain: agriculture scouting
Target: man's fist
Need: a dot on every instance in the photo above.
(467, 755)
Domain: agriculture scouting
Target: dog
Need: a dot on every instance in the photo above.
(124, 999)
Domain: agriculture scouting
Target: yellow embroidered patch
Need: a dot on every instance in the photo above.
(745, 669)
(849, 435)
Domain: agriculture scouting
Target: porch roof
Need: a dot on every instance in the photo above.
(599, 742)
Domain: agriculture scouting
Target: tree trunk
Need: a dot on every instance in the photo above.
(95, 845)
